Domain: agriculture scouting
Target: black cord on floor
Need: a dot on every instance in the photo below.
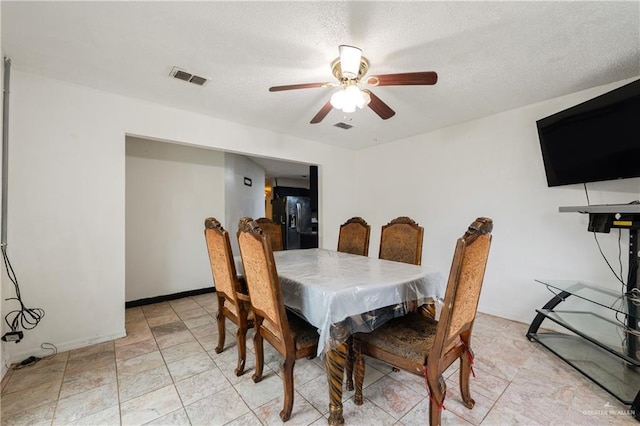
(25, 318)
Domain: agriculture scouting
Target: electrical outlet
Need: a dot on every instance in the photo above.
(13, 336)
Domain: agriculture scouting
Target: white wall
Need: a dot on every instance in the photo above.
(242, 200)
(170, 190)
(67, 192)
(4, 356)
(493, 167)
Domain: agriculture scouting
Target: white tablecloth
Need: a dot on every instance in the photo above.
(327, 287)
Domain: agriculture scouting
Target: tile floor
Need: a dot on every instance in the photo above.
(166, 372)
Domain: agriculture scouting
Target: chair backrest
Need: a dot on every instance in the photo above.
(262, 280)
(273, 230)
(463, 288)
(401, 241)
(354, 237)
(221, 258)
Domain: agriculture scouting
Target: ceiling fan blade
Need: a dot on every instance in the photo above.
(299, 86)
(379, 107)
(322, 113)
(404, 79)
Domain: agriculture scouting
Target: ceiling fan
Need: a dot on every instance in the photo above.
(350, 70)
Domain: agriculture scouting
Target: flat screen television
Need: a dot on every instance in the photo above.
(596, 140)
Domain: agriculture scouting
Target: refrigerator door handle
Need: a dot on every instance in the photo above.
(298, 215)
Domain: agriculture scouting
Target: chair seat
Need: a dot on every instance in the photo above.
(404, 337)
(304, 334)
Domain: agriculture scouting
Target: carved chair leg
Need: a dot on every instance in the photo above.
(258, 346)
(348, 368)
(465, 374)
(359, 372)
(435, 414)
(287, 380)
(437, 392)
(221, 331)
(241, 337)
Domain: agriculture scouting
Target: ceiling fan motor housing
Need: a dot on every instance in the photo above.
(336, 69)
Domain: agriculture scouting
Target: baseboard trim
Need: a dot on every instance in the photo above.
(66, 346)
(167, 297)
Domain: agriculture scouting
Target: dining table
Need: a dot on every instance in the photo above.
(342, 294)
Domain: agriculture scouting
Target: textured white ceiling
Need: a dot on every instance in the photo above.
(490, 56)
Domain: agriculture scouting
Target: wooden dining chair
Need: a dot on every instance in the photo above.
(233, 300)
(274, 230)
(401, 241)
(289, 334)
(423, 346)
(354, 237)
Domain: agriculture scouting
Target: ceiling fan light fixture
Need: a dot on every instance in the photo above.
(350, 61)
(348, 98)
(338, 99)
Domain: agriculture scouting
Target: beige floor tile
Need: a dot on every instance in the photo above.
(106, 417)
(191, 366)
(248, 419)
(201, 321)
(257, 394)
(217, 409)
(207, 336)
(303, 412)
(29, 377)
(150, 406)
(201, 385)
(485, 384)
(91, 362)
(157, 309)
(134, 336)
(124, 352)
(160, 320)
(304, 370)
(133, 314)
(181, 351)
(192, 313)
(453, 403)
(517, 382)
(98, 350)
(168, 340)
(228, 360)
(42, 415)
(87, 403)
(419, 416)
(184, 304)
(86, 380)
(543, 404)
(132, 386)
(317, 391)
(139, 325)
(367, 414)
(391, 396)
(137, 365)
(32, 397)
(176, 418)
(502, 414)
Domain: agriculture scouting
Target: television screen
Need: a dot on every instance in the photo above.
(593, 141)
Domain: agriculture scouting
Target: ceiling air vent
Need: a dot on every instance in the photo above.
(344, 126)
(181, 74)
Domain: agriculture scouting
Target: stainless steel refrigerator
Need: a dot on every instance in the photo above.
(294, 214)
